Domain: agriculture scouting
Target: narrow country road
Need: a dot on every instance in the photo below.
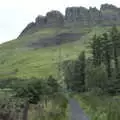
(76, 113)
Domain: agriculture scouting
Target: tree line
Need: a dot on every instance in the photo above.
(100, 70)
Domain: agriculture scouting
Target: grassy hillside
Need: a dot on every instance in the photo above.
(20, 58)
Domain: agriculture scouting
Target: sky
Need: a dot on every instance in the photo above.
(16, 14)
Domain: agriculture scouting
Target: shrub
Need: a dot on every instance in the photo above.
(96, 77)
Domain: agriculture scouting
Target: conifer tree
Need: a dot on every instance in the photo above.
(114, 35)
(106, 54)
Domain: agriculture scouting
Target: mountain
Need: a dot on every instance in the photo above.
(107, 15)
(35, 53)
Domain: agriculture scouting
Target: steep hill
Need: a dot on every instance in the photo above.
(28, 56)
(35, 53)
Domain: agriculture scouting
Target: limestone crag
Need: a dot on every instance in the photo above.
(107, 15)
(30, 26)
(110, 13)
(74, 14)
(83, 15)
(40, 20)
(95, 16)
(52, 19)
(108, 6)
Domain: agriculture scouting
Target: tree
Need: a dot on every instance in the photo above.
(106, 53)
(74, 73)
(114, 35)
(96, 77)
(32, 91)
(96, 45)
(82, 61)
(68, 72)
(53, 85)
(101, 51)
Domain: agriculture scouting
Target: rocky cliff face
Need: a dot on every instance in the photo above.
(95, 16)
(74, 14)
(52, 19)
(110, 14)
(107, 15)
(40, 21)
(55, 18)
(83, 15)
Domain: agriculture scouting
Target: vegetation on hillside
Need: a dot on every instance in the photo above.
(97, 77)
(92, 72)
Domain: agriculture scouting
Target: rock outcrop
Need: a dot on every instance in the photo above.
(40, 21)
(95, 16)
(107, 15)
(52, 19)
(30, 26)
(110, 14)
(75, 14)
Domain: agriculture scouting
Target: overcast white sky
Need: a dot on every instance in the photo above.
(16, 14)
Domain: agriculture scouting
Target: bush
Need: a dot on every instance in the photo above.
(32, 91)
(96, 77)
(96, 91)
(36, 89)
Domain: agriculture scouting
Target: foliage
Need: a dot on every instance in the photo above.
(115, 38)
(56, 109)
(11, 108)
(74, 73)
(36, 89)
(100, 107)
(96, 77)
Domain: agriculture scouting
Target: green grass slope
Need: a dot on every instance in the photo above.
(18, 59)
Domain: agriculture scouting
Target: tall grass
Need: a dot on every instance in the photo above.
(100, 107)
(56, 109)
(14, 108)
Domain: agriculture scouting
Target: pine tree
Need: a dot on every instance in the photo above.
(114, 35)
(96, 45)
(83, 65)
(79, 73)
(106, 54)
